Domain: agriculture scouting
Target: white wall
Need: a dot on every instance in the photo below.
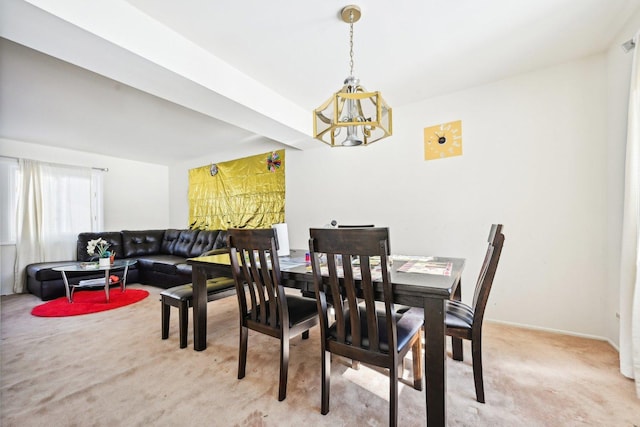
(618, 78)
(136, 195)
(534, 159)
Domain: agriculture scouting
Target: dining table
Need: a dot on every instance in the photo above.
(416, 287)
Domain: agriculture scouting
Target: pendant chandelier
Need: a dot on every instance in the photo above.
(352, 116)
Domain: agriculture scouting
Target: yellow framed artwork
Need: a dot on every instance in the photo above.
(443, 140)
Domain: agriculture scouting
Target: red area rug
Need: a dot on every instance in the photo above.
(85, 302)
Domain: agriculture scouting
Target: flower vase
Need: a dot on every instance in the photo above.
(104, 262)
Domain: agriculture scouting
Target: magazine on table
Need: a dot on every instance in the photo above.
(427, 266)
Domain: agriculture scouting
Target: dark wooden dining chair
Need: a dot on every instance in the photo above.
(464, 321)
(360, 331)
(266, 308)
(355, 364)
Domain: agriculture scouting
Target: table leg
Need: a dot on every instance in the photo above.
(199, 283)
(123, 282)
(435, 362)
(66, 286)
(456, 343)
(106, 283)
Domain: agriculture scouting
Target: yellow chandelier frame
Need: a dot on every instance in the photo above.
(352, 116)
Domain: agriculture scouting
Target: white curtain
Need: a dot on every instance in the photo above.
(630, 259)
(55, 203)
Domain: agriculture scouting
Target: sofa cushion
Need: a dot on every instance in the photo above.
(204, 242)
(114, 238)
(138, 243)
(151, 262)
(43, 271)
(185, 242)
(164, 268)
(183, 269)
(169, 241)
(221, 240)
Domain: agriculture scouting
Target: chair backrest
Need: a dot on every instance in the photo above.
(250, 250)
(487, 272)
(355, 258)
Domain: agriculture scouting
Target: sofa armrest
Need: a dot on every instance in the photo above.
(218, 251)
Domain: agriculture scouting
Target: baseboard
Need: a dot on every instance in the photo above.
(614, 345)
(555, 331)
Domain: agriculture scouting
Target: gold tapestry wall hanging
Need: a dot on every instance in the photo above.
(242, 193)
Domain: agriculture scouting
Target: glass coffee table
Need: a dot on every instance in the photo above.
(93, 266)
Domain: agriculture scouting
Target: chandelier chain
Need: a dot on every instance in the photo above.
(351, 43)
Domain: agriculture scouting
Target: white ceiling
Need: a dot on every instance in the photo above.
(161, 81)
(409, 49)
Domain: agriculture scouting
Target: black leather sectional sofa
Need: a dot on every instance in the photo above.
(161, 256)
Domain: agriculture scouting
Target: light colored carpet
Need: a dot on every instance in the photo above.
(112, 369)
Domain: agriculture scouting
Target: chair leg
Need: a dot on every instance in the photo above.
(166, 312)
(183, 313)
(476, 354)
(416, 355)
(284, 367)
(456, 349)
(326, 381)
(242, 357)
(393, 396)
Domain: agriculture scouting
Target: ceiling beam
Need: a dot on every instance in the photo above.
(116, 40)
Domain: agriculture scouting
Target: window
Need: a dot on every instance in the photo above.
(67, 201)
(54, 203)
(67, 195)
